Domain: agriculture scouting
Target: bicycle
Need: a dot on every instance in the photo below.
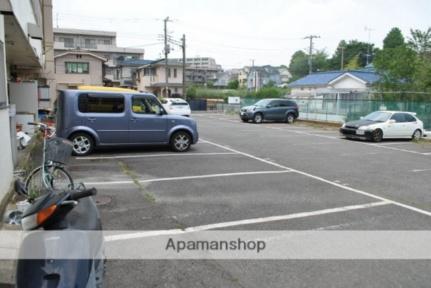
(51, 175)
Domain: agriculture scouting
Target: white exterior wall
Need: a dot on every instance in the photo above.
(146, 81)
(6, 171)
(24, 13)
(349, 83)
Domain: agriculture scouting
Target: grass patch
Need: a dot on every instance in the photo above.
(149, 197)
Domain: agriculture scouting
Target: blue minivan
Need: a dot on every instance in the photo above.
(120, 117)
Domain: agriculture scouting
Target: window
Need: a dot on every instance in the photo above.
(106, 42)
(68, 43)
(77, 67)
(169, 72)
(409, 118)
(149, 72)
(398, 117)
(100, 103)
(90, 44)
(175, 72)
(275, 103)
(145, 105)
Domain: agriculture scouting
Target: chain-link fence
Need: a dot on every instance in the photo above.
(347, 110)
(337, 110)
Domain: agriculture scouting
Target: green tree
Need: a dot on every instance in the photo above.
(299, 63)
(191, 92)
(420, 41)
(320, 61)
(394, 39)
(233, 84)
(352, 49)
(298, 66)
(353, 64)
(397, 66)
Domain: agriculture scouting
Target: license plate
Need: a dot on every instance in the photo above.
(360, 132)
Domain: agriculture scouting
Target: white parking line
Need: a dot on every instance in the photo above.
(153, 155)
(420, 170)
(104, 183)
(393, 143)
(243, 222)
(418, 210)
(396, 149)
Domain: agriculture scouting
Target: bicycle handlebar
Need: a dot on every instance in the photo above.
(83, 194)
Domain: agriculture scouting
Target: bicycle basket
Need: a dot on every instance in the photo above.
(58, 150)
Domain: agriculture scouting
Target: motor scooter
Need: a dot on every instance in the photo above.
(69, 211)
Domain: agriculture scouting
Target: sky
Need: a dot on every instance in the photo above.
(235, 32)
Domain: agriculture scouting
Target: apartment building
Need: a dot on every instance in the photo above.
(25, 64)
(102, 44)
(201, 70)
(152, 77)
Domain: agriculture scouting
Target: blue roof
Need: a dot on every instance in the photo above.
(324, 78)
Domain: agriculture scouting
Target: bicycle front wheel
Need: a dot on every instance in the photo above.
(58, 179)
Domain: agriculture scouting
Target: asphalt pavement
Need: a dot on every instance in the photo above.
(239, 176)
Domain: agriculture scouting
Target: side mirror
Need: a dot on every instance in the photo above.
(268, 106)
(392, 121)
(362, 117)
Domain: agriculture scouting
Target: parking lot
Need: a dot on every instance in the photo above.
(271, 176)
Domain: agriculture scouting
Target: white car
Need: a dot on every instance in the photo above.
(385, 125)
(176, 106)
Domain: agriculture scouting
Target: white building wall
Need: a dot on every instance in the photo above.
(349, 83)
(6, 171)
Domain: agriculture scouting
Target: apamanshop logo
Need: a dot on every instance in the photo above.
(219, 245)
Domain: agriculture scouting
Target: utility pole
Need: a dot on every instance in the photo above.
(254, 75)
(369, 30)
(183, 46)
(342, 57)
(310, 53)
(166, 50)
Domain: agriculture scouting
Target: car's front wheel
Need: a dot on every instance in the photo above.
(377, 135)
(417, 135)
(290, 118)
(181, 141)
(258, 118)
(83, 144)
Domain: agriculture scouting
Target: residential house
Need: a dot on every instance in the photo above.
(75, 68)
(25, 63)
(259, 77)
(223, 78)
(243, 76)
(152, 78)
(125, 72)
(201, 70)
(100, 43)
(335, 84)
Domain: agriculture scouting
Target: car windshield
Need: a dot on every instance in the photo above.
(262, 103)
(378, 116)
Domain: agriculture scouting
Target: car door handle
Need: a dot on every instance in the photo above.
(133, 119)
(91, 119)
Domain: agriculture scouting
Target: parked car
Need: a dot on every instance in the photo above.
(176, 106)
(270, 109)
(381, 125)
(93, 118)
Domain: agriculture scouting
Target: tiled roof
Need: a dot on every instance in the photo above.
(324, 78)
